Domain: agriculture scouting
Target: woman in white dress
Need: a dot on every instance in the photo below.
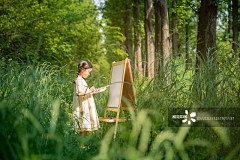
(85, 117)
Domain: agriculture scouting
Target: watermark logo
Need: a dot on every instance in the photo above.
(193, 114)
(187, 118)
(202, 117)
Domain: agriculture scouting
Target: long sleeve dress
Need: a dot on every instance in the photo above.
(85, 117)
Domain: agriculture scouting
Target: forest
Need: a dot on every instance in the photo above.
(184, 54)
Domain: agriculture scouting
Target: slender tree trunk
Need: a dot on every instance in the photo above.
(187, 44)
(144, 61)
(137, 38)
(158, 37)
(148, 25)
(128, 34)
(229, 20)
(206, 32)
(174, 34)
(235, 27)
(145, 66)
(165, 40)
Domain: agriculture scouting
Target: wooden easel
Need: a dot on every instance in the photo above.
(120, 85)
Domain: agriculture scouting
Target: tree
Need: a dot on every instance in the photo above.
(174, 34)
(60, 32)
(149, 45)
(114, 20)
(186, 27)
(165, 43)
(235, 27)
(128, 32)
(229, 19)
(158, 38)
(206, 31)
(137, 38)
(187, 43)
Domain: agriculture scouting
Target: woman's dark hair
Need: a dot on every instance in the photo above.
(83, 64)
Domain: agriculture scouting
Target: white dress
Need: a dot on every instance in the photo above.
(85, 117)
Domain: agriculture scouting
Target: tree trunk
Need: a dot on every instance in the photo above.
(206, 32)
(235, 27)
(137, 38)
(144, 61)
(229, 20)
(145, 66)
(174, 34)
(158, 37)
(148, 25)
(187, 44)
(165, 40)
(128, 34)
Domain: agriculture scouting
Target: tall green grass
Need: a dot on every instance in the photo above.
(36, 122)
(147, 135)
(35, 114)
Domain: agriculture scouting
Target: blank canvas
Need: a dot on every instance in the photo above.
(115, 86)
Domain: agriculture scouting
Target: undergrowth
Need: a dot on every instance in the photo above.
(36, 119)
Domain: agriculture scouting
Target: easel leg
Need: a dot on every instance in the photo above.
(105, 113)
(115, 132)
(116, 125)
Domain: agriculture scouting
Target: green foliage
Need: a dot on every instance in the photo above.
(114, 15)
(61, 32)
(36, 112)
